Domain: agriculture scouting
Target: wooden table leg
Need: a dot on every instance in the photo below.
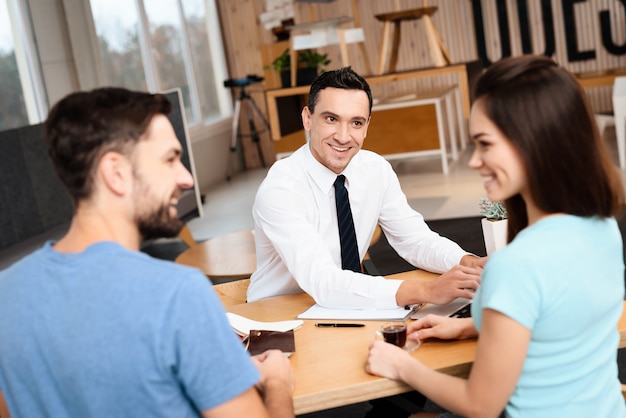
(395, 46)
(343, 48)
(433, 43)
(382, 51)
(293, 54)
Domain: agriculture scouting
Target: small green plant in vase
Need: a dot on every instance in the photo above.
(282, 62)
(492, 210)
(308, 58)
(310, 65)
(494, 224)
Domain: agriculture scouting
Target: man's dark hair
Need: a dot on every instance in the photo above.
(343, 78)
(83, 126)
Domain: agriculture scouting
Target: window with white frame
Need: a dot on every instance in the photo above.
(159, 45)
(22, 97)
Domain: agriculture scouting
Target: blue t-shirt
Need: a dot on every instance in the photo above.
(562, 278)
(112, 333)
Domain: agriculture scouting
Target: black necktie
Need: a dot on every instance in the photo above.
(347, 236)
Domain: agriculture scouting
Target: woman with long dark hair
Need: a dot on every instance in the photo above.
(547, 308)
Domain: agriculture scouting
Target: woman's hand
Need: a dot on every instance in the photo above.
(386, 360)
(442, 327)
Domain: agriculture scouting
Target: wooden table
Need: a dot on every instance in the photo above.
(230, 256)
(600, 78)
(329, 363)
(403, 117)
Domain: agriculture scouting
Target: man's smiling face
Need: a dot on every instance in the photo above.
(338, 127)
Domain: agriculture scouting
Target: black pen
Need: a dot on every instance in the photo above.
(415, 308)
(330, 325)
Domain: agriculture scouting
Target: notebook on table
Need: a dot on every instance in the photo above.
(458, 308)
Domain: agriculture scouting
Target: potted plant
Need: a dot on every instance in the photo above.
(309, 58)
(494, 224)
(310, 65)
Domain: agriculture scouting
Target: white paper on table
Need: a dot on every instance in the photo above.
(318, 312)
(243, 325)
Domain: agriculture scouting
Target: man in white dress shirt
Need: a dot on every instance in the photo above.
(296, 233)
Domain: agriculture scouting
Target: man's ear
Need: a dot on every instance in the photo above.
(306, 118)
(114, 171)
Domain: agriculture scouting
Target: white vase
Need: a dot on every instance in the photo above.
(495, 234)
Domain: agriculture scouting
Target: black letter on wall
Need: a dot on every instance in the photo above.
(570, 34)
(548, 27)
(503, 24)
(524, 26)
(607, 40)
(525, 30)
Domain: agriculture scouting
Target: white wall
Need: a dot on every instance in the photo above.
(69, 61)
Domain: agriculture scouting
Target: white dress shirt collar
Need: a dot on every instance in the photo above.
(321, 175)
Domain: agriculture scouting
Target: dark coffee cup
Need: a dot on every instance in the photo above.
(394, 333)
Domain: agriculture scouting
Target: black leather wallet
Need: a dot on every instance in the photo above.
(260, 341)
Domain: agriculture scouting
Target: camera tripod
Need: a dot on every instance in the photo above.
(250, 111)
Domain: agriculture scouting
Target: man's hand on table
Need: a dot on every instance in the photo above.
(458, 282)
(470, 260)
(276, 384)
(275, 370)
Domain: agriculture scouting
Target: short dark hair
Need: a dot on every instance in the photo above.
(545, 114)
(83, 126)
(343, 78)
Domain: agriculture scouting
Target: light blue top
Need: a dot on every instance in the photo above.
(114, 333)
(562, 278)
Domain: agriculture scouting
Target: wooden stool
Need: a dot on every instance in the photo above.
(392, 21)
